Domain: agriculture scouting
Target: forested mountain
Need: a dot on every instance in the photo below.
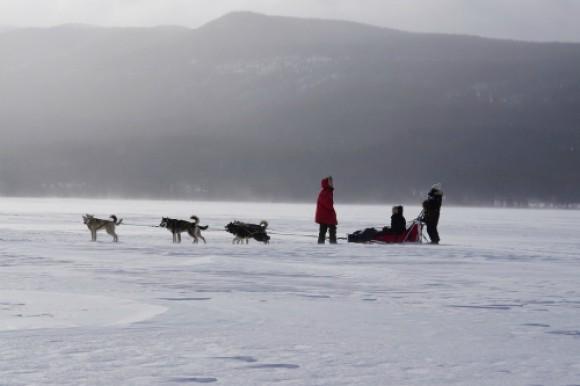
(261, 107)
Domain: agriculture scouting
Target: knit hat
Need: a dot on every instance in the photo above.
(437, 186)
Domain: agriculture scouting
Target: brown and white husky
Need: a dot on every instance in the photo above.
(96, 224)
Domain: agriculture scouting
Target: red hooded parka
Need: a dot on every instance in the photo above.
(325, 213)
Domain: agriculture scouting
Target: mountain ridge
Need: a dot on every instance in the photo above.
(263, 111)
(262, 16)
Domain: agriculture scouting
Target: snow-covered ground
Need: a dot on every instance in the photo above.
(497, 304)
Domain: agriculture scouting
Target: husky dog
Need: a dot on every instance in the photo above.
(96, 224)
(177, 227)
(243, 231)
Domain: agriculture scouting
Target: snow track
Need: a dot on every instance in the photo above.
(497, 304)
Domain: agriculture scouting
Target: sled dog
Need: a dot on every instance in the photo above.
(245, 232)
(96, 224)
(177, 227)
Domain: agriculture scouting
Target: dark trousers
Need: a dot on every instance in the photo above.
(322, 234)
(432, 231)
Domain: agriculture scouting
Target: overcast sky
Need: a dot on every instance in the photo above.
(517, 19)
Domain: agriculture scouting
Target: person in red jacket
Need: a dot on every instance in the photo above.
(325, 214)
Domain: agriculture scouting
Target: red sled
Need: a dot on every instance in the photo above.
(414, 234)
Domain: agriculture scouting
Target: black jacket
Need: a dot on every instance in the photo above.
(398, 224)
(432, 206)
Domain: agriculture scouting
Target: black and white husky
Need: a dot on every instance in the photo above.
(245, 232)
(177, 227)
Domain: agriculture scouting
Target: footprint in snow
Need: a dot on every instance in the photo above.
(11, 304)
(194, 380)
(315, 296)
(275, 366)
(536, 325)
(575, 333)
(502, 307)
(240, 358)
(184, 299)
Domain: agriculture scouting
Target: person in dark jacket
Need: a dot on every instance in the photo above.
(398, 222)
(325, 213)
(398, 227)
(432, 211)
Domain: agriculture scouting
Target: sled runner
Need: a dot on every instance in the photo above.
(413, 234)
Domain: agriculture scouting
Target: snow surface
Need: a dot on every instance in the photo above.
(497, 304)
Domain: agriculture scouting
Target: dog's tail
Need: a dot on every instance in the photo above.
(115, 220)
(195, 219)
(264, 224)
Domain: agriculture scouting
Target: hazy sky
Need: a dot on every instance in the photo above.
(519, 19)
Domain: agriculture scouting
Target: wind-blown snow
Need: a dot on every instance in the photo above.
(38, 309)
(497, 304)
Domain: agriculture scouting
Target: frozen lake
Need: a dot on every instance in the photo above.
(498, 303)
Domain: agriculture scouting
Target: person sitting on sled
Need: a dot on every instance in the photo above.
(432, 211)
(398, 227)
(398, 222)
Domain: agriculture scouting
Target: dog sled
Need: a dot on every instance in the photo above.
(413, 234)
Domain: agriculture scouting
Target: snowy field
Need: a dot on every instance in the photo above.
(498, 303)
